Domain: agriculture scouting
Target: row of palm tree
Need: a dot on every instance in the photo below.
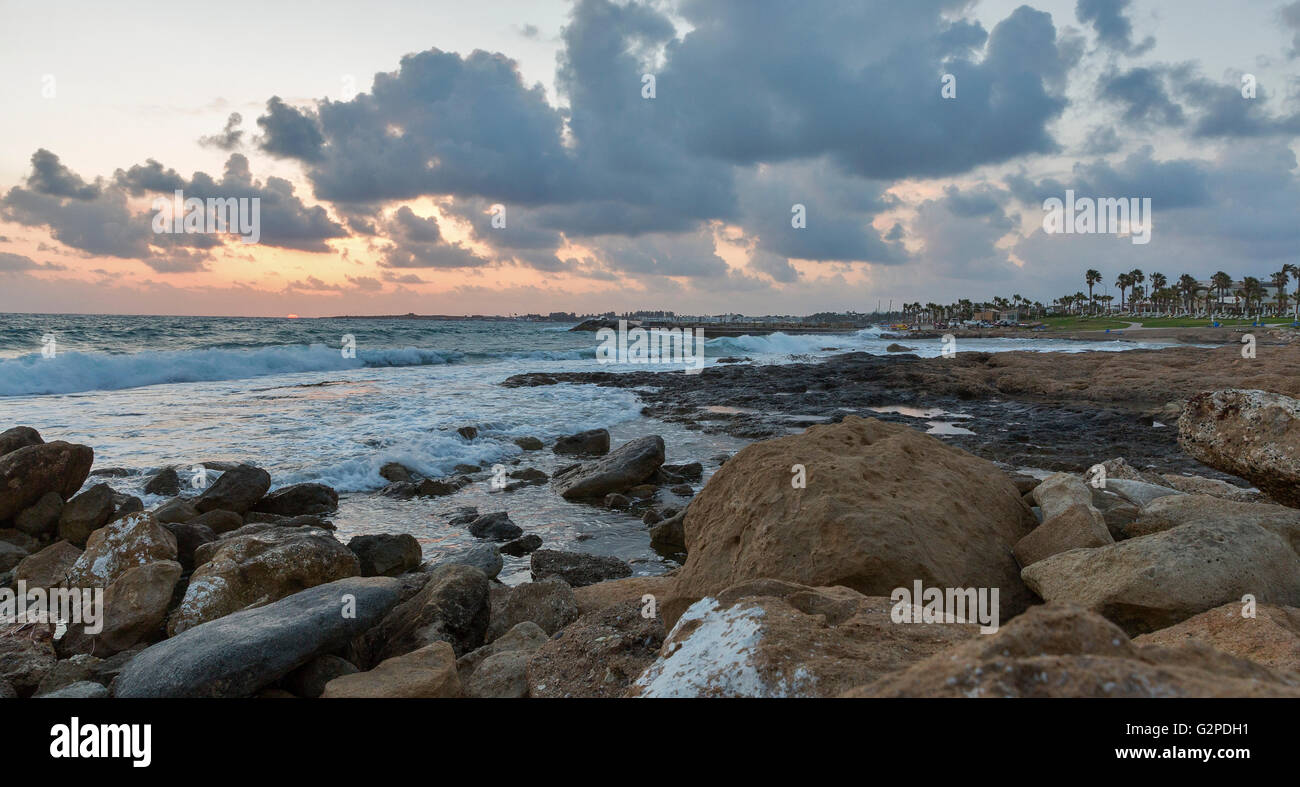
(1187, 295)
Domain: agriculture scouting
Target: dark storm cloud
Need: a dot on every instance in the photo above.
(1111, 25)
(418, 243)
(1142, 93)
(288, 133)
(50, 177)
(229, 138)
(1222, 110)
(1177, 183)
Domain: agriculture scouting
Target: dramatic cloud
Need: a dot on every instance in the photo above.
(230, 136)
(1113, 28)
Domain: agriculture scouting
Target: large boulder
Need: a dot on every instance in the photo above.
(86, 513)
(504, 662)
(1077, 527)
(549, 604)
(598, 655)
(309, 498)
(135, 606)
(386, 554)
(236, 655)
(238, 489)
(1170, 512)
(1157, 580)
(453, 606)
(593, 441)
(576, 568)
(165, 482)
(119, 546)
(1252, 434)
(496, 526)
(189, 537)
(627, 466)
(884, 506)
(1059, 650)
(258, 568)
(593, 598)
(427, 673)
(1268, 635)
(48, 568)
(28, 473)
(778, 639)
(18, 437)
(41, 519)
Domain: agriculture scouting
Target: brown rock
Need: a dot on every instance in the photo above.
(256, 569)
(778, 639)
(1252, 434)
(238, 489)
(119, 546)
(18, 437)
(218, 521)
(1077, 527)
(526, 636)
(135, 606)
(41, 518)
(549, 603)
(598, 655)
(1270, 638)
(429, 672)
(594, 598)
(1060, 650)
(1196, 485)
(884, 505)
(453, 606)
(26, 654)
(28, 473)
(86, 513)
(1170, 512)
(624, 468)
(1157, 580)
(49, 567)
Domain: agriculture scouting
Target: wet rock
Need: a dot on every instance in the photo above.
(430, 487)
(468, 432)
(593, 442)
(521, 546)
(386, 554)
(485, 557)
(18, 437)
(548, 603)
(429, 672)
(301, 520)
(496, 526)
(41, 519)
(393, 471)
(27, 473)
(1058, 650)
(452, 607)
(11, 555)
(86, 513)
(1157, 580)
(692, 471)
(860, 522)
(218, 521)
(299, 499)
(1251, 434)
(626, 467)
(177, 509)
(236, 655)
(255, 569)
(576, 568)
(529, 443)
(238, 489)
(166, 482)
(615, 500)
(898, 348)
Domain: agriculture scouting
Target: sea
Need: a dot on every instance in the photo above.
(334, 399)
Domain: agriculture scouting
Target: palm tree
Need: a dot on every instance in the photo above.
(1253, 290)
(1091, 278)
(1222, 282)
(1279, 281)
(1123, 282)
(1158, 284)
(1187, 285)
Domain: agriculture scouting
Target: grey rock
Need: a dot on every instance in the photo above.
(577, 568)
(626, 467)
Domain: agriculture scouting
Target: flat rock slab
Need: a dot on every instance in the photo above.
(235, 655)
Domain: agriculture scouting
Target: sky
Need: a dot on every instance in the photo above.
(511, 157)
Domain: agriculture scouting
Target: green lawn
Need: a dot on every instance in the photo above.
(1082, 323)
(1190, 322)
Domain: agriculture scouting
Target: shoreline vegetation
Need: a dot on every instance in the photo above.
(1176, 575)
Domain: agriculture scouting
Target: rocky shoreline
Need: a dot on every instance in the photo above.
(1171, 572)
